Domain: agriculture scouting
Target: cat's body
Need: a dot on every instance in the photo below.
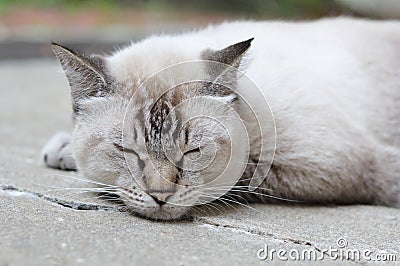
(333, 87)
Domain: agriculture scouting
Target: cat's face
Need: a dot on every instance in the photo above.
(161, 150)
(160, 176)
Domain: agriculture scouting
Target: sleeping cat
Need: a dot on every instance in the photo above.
(304, 111)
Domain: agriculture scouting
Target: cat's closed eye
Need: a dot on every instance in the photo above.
(193, 153)
(124, 149)
(131, 151)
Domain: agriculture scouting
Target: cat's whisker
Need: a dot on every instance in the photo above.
(260, 188)
(82, 189)
(81, 179)
(108, 198)
(206, 203)
(212, 210)
(235, 186)
(216, 201)
(233, 201)
(245, 190)
(231, 195)
(116, 202)
(87, 192)
(196, 211)
(214, 205)
(245, 179)
(266, 195)
(241, 204)
(229, 205)
(249, 163)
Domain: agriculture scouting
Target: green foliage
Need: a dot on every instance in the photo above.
(254, 8)
(64, 4)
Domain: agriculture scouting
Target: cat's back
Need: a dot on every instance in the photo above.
(336, 40)
(339, 46)
(343, 66)
(318, 48)
(327, 74)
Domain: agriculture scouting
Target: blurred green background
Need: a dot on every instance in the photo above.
(28, 26)
(243, 8)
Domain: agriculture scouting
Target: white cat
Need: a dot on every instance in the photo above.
(333, 87)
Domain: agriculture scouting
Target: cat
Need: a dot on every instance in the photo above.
(324, 94)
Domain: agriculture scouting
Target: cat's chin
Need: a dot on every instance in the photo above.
(174, 213)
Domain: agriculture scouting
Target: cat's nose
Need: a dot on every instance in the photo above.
(161, 197)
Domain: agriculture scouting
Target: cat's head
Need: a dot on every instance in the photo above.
(163, 142)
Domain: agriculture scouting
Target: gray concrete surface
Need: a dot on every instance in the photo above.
(43, 226)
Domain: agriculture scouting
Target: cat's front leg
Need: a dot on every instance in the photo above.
(58, 152)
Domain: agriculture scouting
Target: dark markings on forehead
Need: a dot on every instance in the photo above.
(162, 122)
(159, 123)
(157, 117)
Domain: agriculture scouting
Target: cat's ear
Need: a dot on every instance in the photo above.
(225, 75)
(86, 75)
(231, 55)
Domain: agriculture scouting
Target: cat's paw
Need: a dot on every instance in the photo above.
(58, 154)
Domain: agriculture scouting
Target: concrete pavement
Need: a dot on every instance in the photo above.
(42, 225)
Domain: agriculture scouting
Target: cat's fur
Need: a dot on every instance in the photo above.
(333, 86)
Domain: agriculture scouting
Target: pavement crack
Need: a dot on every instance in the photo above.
(255, 232)
(240, 229)
(81, 206)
